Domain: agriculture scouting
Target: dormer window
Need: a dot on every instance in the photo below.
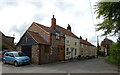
(57, 36)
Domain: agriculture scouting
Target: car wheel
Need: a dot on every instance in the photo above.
(16, 63)
(4, 62)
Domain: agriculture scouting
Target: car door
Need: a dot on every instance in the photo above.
(11, 58)
(6, 57)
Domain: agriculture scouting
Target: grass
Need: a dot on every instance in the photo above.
(112, 60)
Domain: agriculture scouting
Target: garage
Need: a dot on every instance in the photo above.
(27, 50)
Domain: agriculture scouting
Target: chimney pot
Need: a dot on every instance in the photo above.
(69, 28)
(53, 23)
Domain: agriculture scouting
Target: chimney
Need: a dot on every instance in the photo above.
(80, 37)
(69, 28)
(86, 39)
(53, 23)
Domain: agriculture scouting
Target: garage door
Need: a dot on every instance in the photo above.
(27, 50)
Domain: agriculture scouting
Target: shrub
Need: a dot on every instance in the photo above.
(101, 53)
(115, 54)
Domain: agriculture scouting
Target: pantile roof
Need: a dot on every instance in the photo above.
(86, 42)
(63, 29)
(37, 38)
(67, 32)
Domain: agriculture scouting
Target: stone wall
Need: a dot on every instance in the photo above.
(55, 43)
(35, 54)
(18, 48)
(88, 50)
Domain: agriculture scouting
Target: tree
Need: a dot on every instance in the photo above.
(4, 46)
(115, 53)
(110, 12)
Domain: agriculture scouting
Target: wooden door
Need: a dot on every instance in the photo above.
(61, 52)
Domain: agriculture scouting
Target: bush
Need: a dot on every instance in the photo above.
(114, 56)
(101, 53)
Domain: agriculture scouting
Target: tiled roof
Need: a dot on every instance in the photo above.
(85, 42)
(43, 27)
(37, 38)
(102, 47)
(67, 32)
(63, 29)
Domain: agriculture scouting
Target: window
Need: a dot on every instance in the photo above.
(75, 43)
(75, 51)
(67, 51)
(11, 55)
(57, 36)
(7, 54)
(81, 45)
(67, 40)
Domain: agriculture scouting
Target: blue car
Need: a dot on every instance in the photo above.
(17, 58)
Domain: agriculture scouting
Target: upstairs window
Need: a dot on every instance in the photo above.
(57, 36)
(67, 40)
(81, 45)
(75, 43)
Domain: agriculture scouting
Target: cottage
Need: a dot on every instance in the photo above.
(107, 43)
(43, 44)
(7, 42)
(103, 49)
(87, 49)
(71, 43)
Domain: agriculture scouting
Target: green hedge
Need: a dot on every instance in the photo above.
(114, 56)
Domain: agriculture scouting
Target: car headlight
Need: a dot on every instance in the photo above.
(18, 59)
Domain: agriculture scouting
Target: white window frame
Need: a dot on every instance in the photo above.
(68, 40)
(57, 36)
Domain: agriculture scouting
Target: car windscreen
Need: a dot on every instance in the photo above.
(19, 54)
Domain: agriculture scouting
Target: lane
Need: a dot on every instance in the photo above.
(86, 66)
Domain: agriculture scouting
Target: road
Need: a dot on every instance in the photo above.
(97, 65)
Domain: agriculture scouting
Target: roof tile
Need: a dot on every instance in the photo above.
(38, 38)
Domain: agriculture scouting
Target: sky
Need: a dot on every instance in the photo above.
(17, 15)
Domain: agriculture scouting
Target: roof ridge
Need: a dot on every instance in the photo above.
(67, 31)
(41, 24)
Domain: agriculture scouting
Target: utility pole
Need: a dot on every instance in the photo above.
(97, 46)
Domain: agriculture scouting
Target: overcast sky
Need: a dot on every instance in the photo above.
(17, 15)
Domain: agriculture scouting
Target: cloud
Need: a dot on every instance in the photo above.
(63, 6)
(17, 15)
